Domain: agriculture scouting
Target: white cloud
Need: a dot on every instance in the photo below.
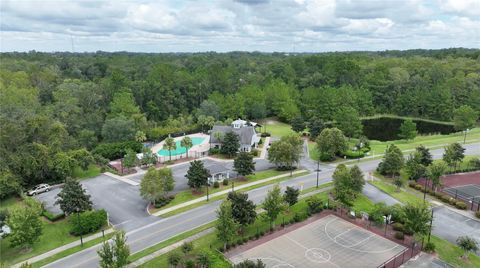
(462, 7)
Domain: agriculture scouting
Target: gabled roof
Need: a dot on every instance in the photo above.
(245, 133)
(216, 168)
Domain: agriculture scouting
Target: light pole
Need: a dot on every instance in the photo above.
(425, 190)
(431, 227)
(465, 136)
(207, 192)
(80, 223)
(318, 170)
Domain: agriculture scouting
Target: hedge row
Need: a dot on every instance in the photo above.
(53, 217)
(88, 222)
(441, 196)
(116, 150)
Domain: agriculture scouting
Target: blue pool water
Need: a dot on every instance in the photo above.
(180, 149)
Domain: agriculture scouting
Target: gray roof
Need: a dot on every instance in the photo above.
(245, 133)
(216, 168)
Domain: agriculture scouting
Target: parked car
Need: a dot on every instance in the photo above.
(41, 188)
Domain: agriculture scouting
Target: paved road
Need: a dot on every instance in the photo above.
(163, 229)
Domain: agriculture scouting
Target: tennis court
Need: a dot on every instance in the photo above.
(327, 242)
(467, 192)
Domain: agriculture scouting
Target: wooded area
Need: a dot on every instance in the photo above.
(54, 104)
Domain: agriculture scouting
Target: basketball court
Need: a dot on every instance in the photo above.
(469, 193)
(327, 242)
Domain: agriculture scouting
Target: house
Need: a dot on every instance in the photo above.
(245, 130)
(218, 173)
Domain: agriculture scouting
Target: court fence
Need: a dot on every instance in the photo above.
(459, 193)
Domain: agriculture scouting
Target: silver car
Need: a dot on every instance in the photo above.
(41, 188)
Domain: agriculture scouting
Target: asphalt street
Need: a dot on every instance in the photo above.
(162, 229)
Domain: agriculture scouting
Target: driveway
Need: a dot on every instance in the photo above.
(126, 208)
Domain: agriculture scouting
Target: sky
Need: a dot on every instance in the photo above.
(237, 25)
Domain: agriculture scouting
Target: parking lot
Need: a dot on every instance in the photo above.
(327, 242)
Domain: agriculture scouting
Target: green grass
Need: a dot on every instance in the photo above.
(188, 195)
(362, 203)
(402, 196)
(321, 186)
(10, 202)
(92, 171)
(451, 253)
(169, 242)
(431, 141)
(192, 206)
(71, 251)
(278, 129)
(53, 235)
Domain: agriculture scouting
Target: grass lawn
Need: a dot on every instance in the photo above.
(451, 253)
(92, 171)
(187, 195)
(362, 203)
(10, 202)
(53, 235)
(278, 129)
(402, 196)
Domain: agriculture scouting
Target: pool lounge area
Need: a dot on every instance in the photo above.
(180, 150)
(200, 148)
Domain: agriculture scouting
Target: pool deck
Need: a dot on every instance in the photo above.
(202, 147)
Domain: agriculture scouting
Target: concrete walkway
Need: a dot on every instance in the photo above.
(203, 198)
(62, 248)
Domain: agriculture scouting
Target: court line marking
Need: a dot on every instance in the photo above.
(354, 249)
(306, 249)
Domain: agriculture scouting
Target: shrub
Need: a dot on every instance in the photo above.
(407, 232)
(257, 236)
(9, 185)
(412, 184)
(225, 182)
(429, 247)
(452, 202)
(189, 264)
(353, 154)
(169, 162)
(116, 150)
(398, 227)
(419, 187)
(53, 217)
(265, 134)
(460, 205)
(213, 151)
(216, 184)
(297, 217)
(399, 235)
(314, 205)
(254, 152)
(88, 222)
(163, 201)
(245, 239)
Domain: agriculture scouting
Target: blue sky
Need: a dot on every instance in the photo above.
(232, 25)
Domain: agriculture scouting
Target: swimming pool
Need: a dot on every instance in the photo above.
(180, 149)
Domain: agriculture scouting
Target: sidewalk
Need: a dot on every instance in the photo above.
(62, 248)
(203, 198)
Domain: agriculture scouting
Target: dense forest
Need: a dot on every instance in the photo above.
(56, 105)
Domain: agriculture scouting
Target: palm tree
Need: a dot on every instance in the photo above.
(174, 259)
(170, 145)
(202, 260)
(187, 143)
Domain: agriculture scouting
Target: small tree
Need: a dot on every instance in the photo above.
(392, 162)
(187, 143)
(331, 142)
(467, 244)
(186, 248)
(425, 155)
(414, 167)
(169, 144)
(291, 195)
(342, 185)
(130, 159)
(243, 210)
(435, 172)
(150, 186)
(167, 183)
(273, 204)
(230, 144)
(454, 153)
(358, 180)
(148, 157)
(408, 130)
(25, 226)
(286, 152)
(298, 124)
(226, 225)
(73, 198)
(197, 175)
(203, 260)
(174, 259)
(464, 118)
(114, 254)
(348, 121)
(417, 218)
(82, 158)
(140, 136)
(243, 164)
(315, 126)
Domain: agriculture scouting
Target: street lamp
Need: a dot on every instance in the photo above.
(465, 136)
(431, 227)
(80, 223)
(318, 170)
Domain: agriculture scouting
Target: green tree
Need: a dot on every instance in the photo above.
(273, 204)
(118, 129)
(414, 167)
(226, 225)
(464, 117)
(166, 181)
(140, 136)
(187, 143)
(209, 108)
(348, 121)
(467, 244)
(87, 138)
(25, 226)
(63, 165)
(392, 162)
(150, 186)
(286, 152)
(115, 254)
(9, 185)
(243, 164)
(130, 159)
(408, 130)
(298, 124)
(291, 195)
(174, 259)
(358, 180)
(230, 144)
(315, 125)
(453, 154)
(148, 158)
(435, 172)
(82, 158)
(243, 210)
(342, 185)
(197, 175)
(331, 142)
(73, 198)
(425, 155)
(186, 248)
(203, 260)
(250, 264)
(417, 218)
(206, 122)
(169, 144)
